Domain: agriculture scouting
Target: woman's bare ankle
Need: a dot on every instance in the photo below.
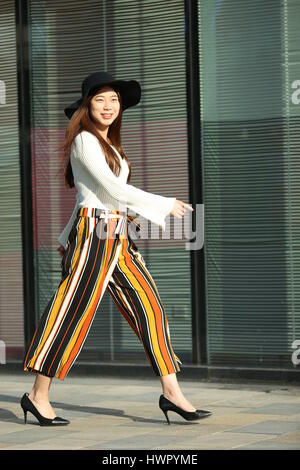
(38, 396)
(40, 389)
(173, 391)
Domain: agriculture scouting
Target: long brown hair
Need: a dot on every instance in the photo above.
(81, 120)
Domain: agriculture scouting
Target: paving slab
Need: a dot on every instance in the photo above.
(270, 427)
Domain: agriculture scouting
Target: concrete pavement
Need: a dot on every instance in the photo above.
(117, 413)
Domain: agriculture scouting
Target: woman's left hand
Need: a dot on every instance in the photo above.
(179, 208)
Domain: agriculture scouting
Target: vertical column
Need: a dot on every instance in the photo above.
(195, 178)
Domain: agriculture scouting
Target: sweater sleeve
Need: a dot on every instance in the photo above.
(63, 237)
(151, 206)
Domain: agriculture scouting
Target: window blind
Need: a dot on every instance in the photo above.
(249, 63)
(11, 270)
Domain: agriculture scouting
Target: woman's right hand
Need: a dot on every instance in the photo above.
(61, 250)
(179, 208)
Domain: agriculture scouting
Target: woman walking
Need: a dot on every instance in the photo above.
(98, 253)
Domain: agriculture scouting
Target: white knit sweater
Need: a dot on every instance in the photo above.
(98, 186)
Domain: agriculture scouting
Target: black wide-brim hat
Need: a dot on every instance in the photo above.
(130, 90)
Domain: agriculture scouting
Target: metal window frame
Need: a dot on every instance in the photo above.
(199, 340)
(24, 115)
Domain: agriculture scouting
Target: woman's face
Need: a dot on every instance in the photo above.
(105, 106)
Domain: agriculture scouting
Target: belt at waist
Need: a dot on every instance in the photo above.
(99, 212)
(105, 214)
(109, 214)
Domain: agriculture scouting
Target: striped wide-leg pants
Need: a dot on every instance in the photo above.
(100, 254)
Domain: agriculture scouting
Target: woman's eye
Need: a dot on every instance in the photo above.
(101, 101)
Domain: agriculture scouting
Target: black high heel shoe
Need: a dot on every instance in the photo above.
(166, 405)
(27, 405)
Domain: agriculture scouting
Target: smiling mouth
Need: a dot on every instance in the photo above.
(106, 116)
